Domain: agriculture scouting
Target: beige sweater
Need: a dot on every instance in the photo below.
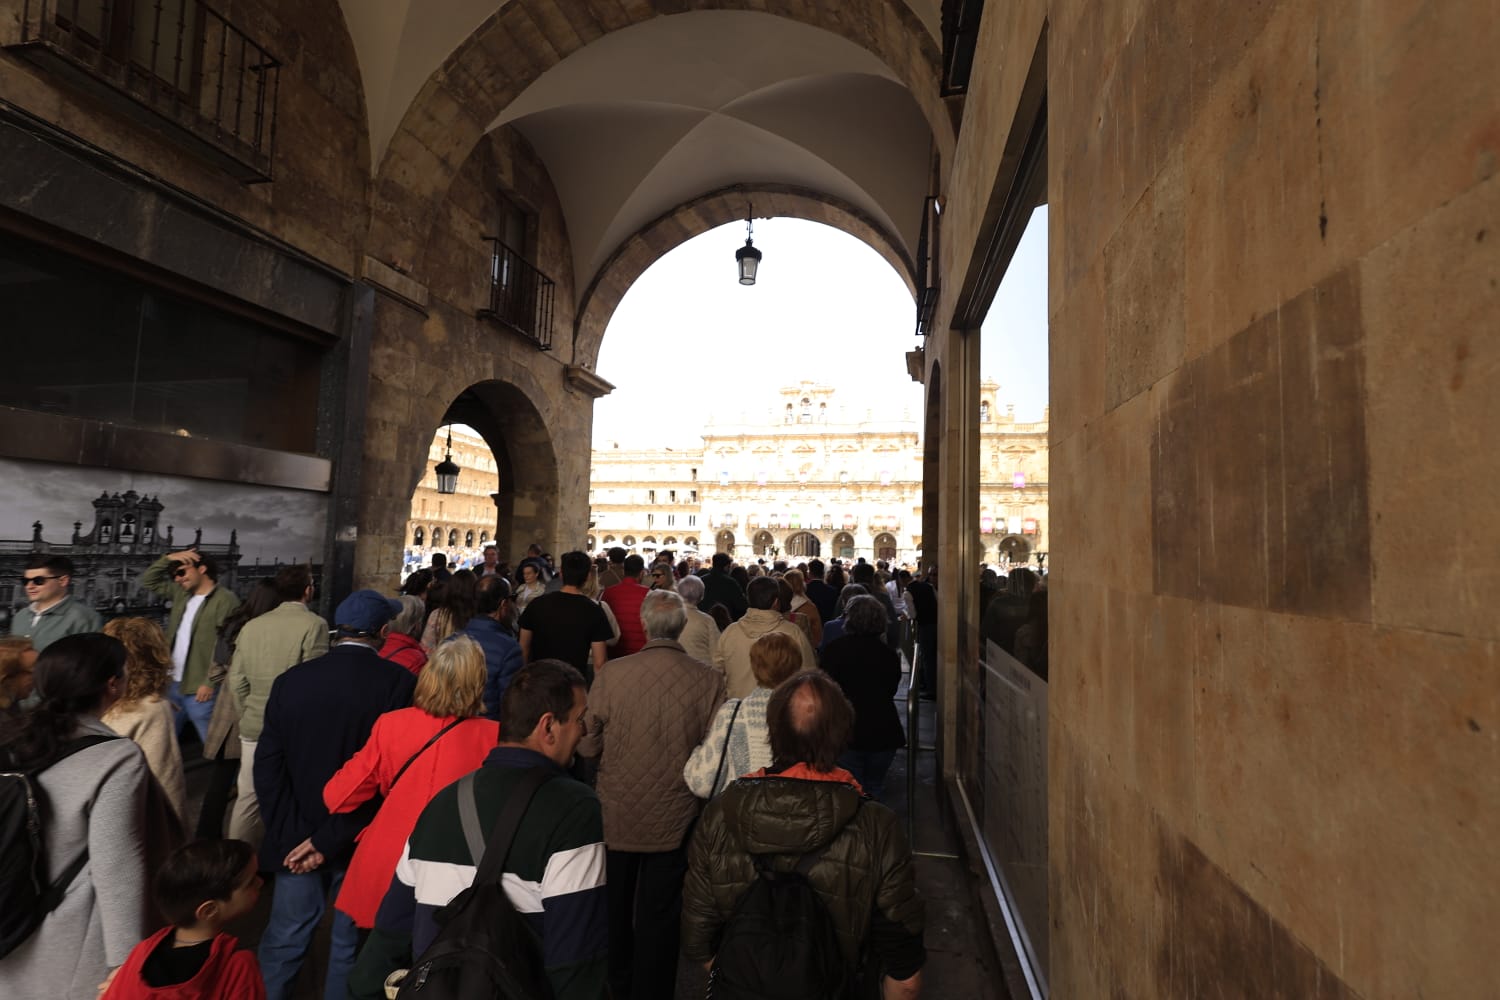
(150, 723)
(733, 656)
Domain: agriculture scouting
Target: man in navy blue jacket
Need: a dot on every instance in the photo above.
(318, 714)
(502, 651)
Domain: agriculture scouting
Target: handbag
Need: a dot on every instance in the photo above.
(724, 754)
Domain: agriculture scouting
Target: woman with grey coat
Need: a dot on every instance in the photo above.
(96, 801)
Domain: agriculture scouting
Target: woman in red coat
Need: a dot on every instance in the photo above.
(438, 741)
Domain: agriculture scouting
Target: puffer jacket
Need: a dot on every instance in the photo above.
(865, 877)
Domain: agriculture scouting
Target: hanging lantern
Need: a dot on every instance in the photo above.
(447, 471)
(747, 257)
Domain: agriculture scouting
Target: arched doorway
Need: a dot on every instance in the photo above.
(724, 542)
(885, 545)
(843, 545)
(1015, 550)
(592, 543)
(803, 545)
(762, 543)
(514, 455)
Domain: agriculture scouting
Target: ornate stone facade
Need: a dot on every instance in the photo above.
(808, 476)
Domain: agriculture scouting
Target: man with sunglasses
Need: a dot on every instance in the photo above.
(188, 580)
(53, 612)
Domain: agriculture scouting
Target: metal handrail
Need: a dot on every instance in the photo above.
(521, 296)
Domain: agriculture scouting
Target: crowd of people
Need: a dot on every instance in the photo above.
(665, 734)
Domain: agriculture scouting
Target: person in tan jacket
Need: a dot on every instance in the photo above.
(733, 655)
(267, 647)
(646, 713)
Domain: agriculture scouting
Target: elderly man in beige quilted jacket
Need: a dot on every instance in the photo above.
(646, 714)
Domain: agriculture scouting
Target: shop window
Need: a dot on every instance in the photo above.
(143, 358)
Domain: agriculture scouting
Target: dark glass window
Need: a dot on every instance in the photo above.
(84, 342)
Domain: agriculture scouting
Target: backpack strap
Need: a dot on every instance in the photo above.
(493, 852)
(50, 899)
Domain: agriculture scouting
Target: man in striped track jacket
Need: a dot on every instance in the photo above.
(554, 874)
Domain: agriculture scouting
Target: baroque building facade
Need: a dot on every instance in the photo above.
(809, 476)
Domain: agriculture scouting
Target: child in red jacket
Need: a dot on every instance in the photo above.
(201, 888)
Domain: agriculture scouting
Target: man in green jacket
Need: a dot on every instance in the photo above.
(189, 581)
(53, 612)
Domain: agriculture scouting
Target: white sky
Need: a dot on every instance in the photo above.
(688, 339)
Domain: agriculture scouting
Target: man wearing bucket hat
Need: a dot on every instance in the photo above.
(319, 713)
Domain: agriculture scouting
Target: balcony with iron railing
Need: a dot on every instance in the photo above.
(520, 295)
(177, 66)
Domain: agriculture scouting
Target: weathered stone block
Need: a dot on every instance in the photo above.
(1408, 111)
(1432, 299)
(1143, 289)
(1280, 519)
(1255, 184)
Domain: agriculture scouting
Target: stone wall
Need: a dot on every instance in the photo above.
(424, 358)
(317, 201)
(1274, 754)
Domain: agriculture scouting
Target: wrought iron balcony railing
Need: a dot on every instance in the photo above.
(179, 65)
(520, 295)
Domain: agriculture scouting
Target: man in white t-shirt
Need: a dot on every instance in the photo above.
(188, 580)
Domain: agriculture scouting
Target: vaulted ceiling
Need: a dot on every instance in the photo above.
(648, 117)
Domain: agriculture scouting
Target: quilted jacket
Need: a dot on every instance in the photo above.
(646, 713)
(865, 877)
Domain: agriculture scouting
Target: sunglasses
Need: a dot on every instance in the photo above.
(37, 581)
(182, 571)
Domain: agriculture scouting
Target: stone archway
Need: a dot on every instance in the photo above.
(762, 542)
(526, 505)
(843, 545)
(803, 545)
(724, 542)
(633, 257)
(885, 546)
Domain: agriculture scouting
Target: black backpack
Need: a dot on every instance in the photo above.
(780, 941)
(28, 896)
(485, 949)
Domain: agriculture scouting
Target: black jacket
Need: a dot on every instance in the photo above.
(869, 671)
(319, 713)
(720, 588)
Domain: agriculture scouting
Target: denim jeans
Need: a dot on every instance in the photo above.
(192, 710)
(869, 768)
(297, 904)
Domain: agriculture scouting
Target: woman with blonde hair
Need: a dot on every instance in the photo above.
(592, 590)
(738, 742)
(144, 713)
(17, 662)
(411, 754)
